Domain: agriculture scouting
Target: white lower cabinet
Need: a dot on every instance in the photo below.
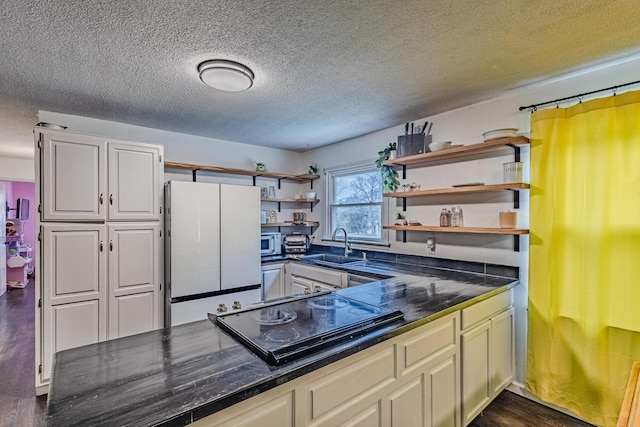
(306, 279)
(410, 380)
(487, 348)
(134, 288)
(272, 281)
(98, 282)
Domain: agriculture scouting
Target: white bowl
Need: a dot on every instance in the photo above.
(440, 145)
(311, 195)
(500, 133)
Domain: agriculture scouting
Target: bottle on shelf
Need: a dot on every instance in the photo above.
(445, 218)
(456, 217)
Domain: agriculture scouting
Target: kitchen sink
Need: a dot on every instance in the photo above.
(330, 259)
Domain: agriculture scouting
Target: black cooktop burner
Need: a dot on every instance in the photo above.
(286, 331)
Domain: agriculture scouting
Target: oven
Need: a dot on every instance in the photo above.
(270, 244)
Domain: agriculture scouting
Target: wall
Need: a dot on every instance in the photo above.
(27, 190)
(465, 126)
(17, 169)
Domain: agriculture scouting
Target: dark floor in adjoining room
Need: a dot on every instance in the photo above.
(20, 408)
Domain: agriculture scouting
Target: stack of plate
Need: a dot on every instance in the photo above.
(500, 133)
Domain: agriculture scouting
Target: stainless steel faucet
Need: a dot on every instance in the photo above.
(347, 245)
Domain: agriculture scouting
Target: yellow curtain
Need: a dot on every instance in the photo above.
(584, 269)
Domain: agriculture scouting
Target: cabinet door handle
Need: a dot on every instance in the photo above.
(101, 198)
(101, 245)
(111, 245)
(111, 199)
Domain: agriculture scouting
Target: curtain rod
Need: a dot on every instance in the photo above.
(534, 107)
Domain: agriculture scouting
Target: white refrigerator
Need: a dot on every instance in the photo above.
(212, 252)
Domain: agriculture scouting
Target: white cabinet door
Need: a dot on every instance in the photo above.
(476, 371)
(132, 314)
(74, 287)
(502, 351)
(239, 236)
(73, 183)
(134, 259)
(442, 396)
(134, 176)
(272, 281)
(300, 285)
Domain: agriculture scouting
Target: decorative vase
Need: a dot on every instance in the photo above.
(392, 154)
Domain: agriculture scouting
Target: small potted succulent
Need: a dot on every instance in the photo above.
(260, 167)
(392, 150)
(400, 219)
(313, 169)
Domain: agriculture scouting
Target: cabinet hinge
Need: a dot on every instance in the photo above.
(40, 303)
(160, 233)
(39, 208)
(161, 209)
(39, 236)
(40, 141)
(160, 286)
(160, 158)
(39, 369)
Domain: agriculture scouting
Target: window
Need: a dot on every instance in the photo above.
(356, 203)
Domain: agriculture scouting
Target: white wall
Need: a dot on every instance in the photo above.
(466, 126)
(17, 169)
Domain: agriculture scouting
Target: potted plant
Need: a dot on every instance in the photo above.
(392, 150)
(390, 181)
(313, 169)
(260, 167)
(400, 219)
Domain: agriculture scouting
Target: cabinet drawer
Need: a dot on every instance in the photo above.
(485, 309)
(363, 376)
(419, 349)
(319, 274)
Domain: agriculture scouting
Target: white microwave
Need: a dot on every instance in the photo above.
(270, 244)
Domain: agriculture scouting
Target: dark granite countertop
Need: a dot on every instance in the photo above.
(177, 375)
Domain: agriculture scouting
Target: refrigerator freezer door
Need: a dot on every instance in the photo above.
(240, 236)
(194, 217)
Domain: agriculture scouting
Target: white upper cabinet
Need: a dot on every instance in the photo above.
(87, 178)
(73, 182)
(133, 182)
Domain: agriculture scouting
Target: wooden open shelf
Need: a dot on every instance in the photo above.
(291, 224)
(234, 171)
(461, 190)
(268, 199)
(475, 230)
(454, 153)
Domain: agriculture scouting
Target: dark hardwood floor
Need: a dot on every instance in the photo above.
(19, 406)
(512, 410)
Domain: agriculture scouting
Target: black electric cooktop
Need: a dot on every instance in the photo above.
(285, 331)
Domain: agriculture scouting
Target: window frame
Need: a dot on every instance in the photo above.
(329, 178)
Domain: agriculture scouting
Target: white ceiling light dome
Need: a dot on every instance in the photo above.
(226, 75)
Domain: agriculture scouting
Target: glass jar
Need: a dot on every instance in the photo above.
(445, 218)
(456, 217)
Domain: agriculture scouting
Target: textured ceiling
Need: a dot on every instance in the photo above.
(326, 70)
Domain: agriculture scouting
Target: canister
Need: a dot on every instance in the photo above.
(512, 172)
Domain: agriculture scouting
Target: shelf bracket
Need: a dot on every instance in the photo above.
(404, 204)
(404, 236)
(516, 199)
(193, 174)
(516, 243)
(311, 181)
(404, 171)
(516, 152)
(278, 206)
(311, 206)
(254, 180)
(279, 179)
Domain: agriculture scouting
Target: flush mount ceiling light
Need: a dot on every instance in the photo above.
(224, 75)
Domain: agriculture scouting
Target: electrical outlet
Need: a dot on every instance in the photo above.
(431, 245)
